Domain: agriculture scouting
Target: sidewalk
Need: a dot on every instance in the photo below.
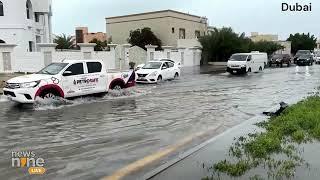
(196, 164)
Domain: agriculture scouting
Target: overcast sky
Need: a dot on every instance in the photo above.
(263, 16)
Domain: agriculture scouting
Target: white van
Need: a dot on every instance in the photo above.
(247, 62)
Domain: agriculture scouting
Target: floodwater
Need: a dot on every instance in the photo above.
(90, 138)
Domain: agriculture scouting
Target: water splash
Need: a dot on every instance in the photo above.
(52, 104)
(124, 93)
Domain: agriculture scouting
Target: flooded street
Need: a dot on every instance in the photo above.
(90, 138)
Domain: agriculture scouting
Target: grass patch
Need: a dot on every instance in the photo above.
(277, 148)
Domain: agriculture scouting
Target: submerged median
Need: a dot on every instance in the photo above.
(278, 148)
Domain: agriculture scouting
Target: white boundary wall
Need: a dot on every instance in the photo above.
(35, 61)
(186, 56)
(116, 58)
(28, 62)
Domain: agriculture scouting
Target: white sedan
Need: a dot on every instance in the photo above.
(156, 71)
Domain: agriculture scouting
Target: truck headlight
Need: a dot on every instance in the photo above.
(154, 73)
(29, 84)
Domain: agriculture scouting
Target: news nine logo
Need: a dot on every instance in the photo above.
(29, 160)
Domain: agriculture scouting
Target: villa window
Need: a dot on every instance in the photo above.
(182, 33)
(37, 17)
(172, 30)
(29, 9)
(1, 9)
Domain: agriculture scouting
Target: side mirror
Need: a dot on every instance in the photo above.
(249, 59)
(164, 67)
(67, 73)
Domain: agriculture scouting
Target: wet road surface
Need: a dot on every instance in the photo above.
(90, 138)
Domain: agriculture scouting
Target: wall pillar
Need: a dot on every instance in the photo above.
(112, 47)
(47, 49)
(113, 52)
(6, 58)
(167, 51)
(87, 49)
(126, 55)
(150, 52)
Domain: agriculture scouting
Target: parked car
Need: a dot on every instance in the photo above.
(139, 66)
(305, 60)
(156, 71)
(68, 79)
(246, 62)
(280, 59)
(302, 52)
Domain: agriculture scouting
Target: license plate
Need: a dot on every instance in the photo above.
(234, 71)
(141, 78)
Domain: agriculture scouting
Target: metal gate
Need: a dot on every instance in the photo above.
(6, 56)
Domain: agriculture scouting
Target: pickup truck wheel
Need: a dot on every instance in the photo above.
(49, 95)
(117, 87)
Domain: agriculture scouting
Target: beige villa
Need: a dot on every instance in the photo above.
(256, 37)
(168, 25)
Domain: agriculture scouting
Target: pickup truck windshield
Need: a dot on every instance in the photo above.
(238, 57)
(53, 68)
(153, 65)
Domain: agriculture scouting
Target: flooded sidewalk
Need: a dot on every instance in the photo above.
(198, 163)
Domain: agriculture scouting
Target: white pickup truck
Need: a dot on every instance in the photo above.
(70, 78)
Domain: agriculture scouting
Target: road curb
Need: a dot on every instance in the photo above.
(188, 153)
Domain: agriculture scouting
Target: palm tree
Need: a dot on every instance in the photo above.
(64, 42)
(100, 45)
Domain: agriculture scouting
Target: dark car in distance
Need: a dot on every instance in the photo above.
(304, 60)
(301, 53)
(280, 59)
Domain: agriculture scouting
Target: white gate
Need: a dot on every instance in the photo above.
(6, 61)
